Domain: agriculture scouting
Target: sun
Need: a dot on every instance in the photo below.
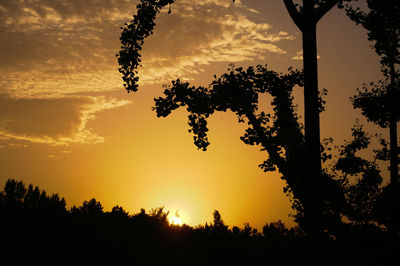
(175, 221)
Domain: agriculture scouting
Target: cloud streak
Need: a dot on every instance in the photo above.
(55, 121)
(199, 33)
(55, 52)
(299, 56)
(60, 47)
(50, 41)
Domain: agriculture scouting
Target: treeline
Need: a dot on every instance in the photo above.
(37, 227)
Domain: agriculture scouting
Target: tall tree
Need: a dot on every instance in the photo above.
(379, 101)
(238, 91)
(306, 18)
(279, 133)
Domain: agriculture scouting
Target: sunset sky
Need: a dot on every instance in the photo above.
(68, 126)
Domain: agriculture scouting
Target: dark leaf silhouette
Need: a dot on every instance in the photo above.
(379, 101)
(132, 39)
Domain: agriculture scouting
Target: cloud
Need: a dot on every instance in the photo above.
(45, 82)
(199, 33)
(299, 56)
(56, 121)
(57, 47)
(54, 52)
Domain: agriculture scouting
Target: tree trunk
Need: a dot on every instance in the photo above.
(313, 191)
(394, 170)
(306, 21)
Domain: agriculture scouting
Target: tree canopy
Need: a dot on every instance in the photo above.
(374, 100)
(382, 22)
(379, 102)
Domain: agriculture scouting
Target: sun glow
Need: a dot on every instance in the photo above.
(176, 220)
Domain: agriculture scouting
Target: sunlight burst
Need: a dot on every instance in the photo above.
(175, 221)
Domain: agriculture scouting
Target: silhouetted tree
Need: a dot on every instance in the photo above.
(306, 18)
(90, 208)
(249, 231)
(238, 91)
(119, 211)
(379, 102)
(218, 227)
(280, 133)
(319, 199)
(16, 197)
(14, 191)
(30, 220)
(275, 230)
(360, 178)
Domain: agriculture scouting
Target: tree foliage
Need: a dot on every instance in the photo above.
(132, 39)
(375, 102)
(279, 133)
(379, 103)
(382, 22)
(360, 178)
(16, 196)
(91, 208)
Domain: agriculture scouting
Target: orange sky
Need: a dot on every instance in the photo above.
(68, 126)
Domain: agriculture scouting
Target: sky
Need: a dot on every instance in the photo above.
(68, 126)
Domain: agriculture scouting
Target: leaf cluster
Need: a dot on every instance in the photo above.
(132, 39)
(375, 100)
(279, 132)
(359, 178)
(383, 25)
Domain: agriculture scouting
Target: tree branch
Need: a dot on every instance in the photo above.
(324, 8)
(267, 144)
(294, 13)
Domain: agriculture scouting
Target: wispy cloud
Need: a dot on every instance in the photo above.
(55, 121)
(59, 47)
(299, 56)
(54, 52)
(51, 50)
(199, 33)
